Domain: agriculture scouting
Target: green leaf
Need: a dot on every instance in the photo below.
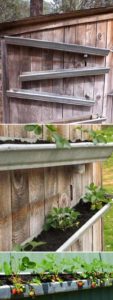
(38, 130)
(30, 127)
(7, 268)
(51, 128)
(25, 260)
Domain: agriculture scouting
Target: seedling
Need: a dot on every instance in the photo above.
(32, 245)
(96, 196)
(52, 135)
(61, 218)
(95, 136)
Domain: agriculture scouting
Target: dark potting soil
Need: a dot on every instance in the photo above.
(45, 277)
(19, 142)
(54, 238)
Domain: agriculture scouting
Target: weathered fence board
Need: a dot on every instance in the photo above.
(94, 32)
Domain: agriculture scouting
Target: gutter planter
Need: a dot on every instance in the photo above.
(57, 288)
(14, 156)
(55, 240)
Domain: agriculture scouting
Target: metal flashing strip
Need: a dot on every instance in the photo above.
(47, 97)
(63, 73)
(74, 48)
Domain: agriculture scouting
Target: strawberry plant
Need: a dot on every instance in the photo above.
(18, 287)
(80, 284)
(32, 293)
(95, 136)
(96, 196)
(53, 135)
(32, 245)
(61, 218)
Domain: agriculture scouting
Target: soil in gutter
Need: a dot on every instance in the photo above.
(18, 141)
(48, 277)
(54, 238)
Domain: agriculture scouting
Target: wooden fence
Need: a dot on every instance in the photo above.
(1, 104)
(28, 195)
(93, 32)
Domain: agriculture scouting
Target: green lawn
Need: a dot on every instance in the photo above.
(108, 219)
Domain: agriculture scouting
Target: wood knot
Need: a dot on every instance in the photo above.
(64, 200)
(99, 36)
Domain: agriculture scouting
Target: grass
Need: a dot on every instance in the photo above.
(108, 185)
(108, 218)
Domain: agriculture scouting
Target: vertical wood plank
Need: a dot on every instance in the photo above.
(58, 59)
(79, 63)
(3, 130)
(108, 86)
(88, 178)
(51, 189)
(14, 67)
(5, 82)
(25, 108)
(76, 247)
(68, 88)
(46, 85)
(36, 65)
(64, 174)
(20, 206)
(97, 236)
(100, 62)
(87, 240)
(5, 212)
(90, 30)
(36, 200)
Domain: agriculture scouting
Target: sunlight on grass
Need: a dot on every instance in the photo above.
(108, 185)
(108, 218)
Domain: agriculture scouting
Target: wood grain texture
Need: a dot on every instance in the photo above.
(24, 108)
(97, 238)
(100, 81)
(5, 82)
(91, 34)
(90, 39)
(35, 109)
(20, 206)
(36, 201)
(55, 21)
(79, 63)
(5, 212)
(58, 62)
(87, 240)
(47, 64)
(107, 104)
(69, 37)
(14, 55)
